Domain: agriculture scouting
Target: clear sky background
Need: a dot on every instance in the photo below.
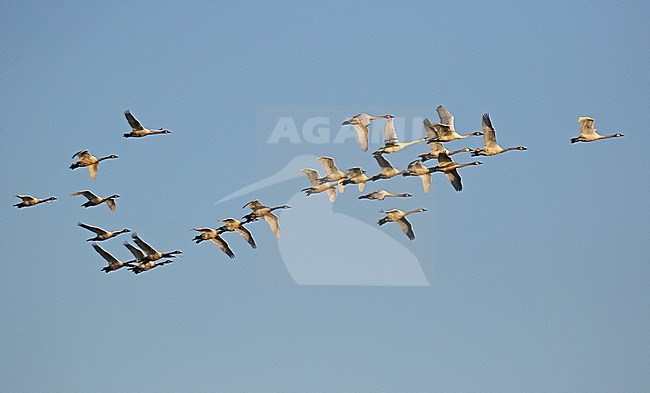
(539, 268)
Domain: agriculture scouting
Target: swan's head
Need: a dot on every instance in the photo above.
(477, 133)
(165, 131)
(113, 196)
(477, 163)
(389, 116)
(521, 148)
(618, 134)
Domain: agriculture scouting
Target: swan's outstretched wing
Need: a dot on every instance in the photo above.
(406, 227)
(92, 171)
(246, 234)
(354, 172)
(328, 164)
(383, 163)
(143, 245)
(455, 180)
(87, 193)
(274, 223)
(312, 175)
(82, 154)
(111, 204)
(255, 204)
(26, 198)
(139, 255)
(426, 182)
(331, 192)
(489, 136)
(133, 122)
(444, 131)
(415, 164)
(106, 255)
(362, 136)
(432, 132)
(390, 135)
(219, 242)
(435, 148)
(587, 126)
(445, 117)
(203, 230)
(444, 158)
(97, 230)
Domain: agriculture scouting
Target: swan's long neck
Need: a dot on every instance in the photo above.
(104, 158)
(512, 148)
(609, 136)
(405, 144)
(413, 211)
(280, 207)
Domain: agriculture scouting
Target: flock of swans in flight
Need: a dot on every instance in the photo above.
(145, 257)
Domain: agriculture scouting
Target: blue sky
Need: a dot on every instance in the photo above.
(538, 269)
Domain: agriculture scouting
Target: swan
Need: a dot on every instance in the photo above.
(94, 200)
(391, 143)
(588, 132)
(446, 130)
(332, 171)
(490, 146)
(356, 176)
(101, 233)
(233, 225)
(213, 236)
(266, 213)
(92, 162)
(448, 167)
(381, 194)
(398, 216)
(145, 266)
(361, 123)
(416, 168)
(28, 200)
(387, 170)
(317, 187)
(137, 130)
